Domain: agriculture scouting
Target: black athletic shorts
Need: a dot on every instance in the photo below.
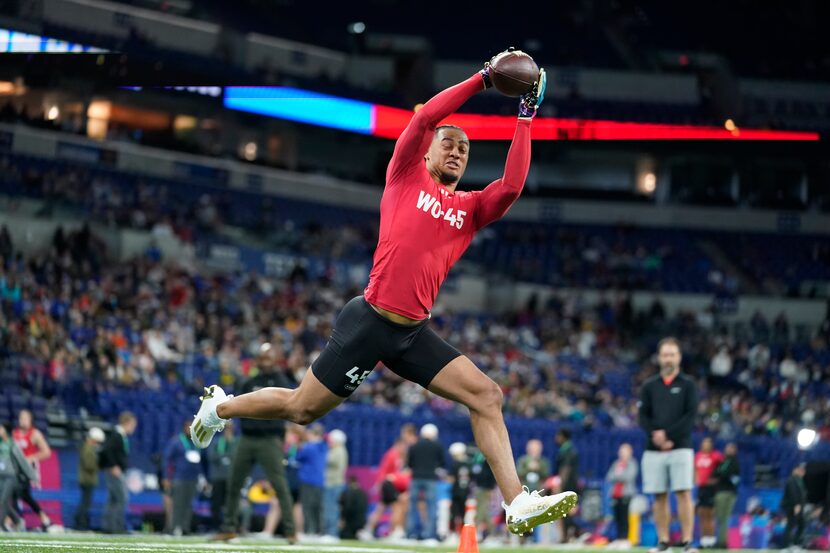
(388, 493)
(361, 337)
(706, 496)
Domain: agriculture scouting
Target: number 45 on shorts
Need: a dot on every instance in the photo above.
(356, 377)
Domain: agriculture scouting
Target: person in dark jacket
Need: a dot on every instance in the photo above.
(261, 442)
(668, 405)
(220, 457)
(427, 461)
(353, 505)
(88, 475)
(792, 504)
(114, 460)
(183, 464)
(727, 476)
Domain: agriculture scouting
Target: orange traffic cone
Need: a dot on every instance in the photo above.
(468, 543)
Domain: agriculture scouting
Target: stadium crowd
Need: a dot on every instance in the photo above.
(71, 321)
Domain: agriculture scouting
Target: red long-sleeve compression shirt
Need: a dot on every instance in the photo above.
(424, 229)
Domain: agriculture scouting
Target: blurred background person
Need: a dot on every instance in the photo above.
(728, 478)
(220, 457)
(12, 461)
(262, 492)
(792, 505)
(354, 503)
(337, 462)
(114, 460)
(184, 464)
(485, 485)
(567, 468)
(392, 484)
(88, 475)
(312, 459)
(706, 460)
(427, 462)
(667, 408)
(461, 481)
(622, 477)
(261, 442)
(533, 469)
(32, 443)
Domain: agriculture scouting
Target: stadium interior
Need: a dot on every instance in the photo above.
(157, 226)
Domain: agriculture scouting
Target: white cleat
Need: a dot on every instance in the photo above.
(206, 423)
(530, 509)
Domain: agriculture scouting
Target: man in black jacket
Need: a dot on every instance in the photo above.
(113, 461)
(427, 461)
(668, 404)
(793, 502)
(261, 442)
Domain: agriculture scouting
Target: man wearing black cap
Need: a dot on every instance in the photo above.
(261, 442)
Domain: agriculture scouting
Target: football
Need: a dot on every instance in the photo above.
(513, 73)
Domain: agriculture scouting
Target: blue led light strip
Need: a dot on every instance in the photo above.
(302, 106)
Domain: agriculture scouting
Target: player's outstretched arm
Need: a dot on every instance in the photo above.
(499, 195)
(414, 142)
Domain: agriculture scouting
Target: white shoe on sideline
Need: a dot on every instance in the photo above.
(530, 509)
(365, 535)
(206, 423)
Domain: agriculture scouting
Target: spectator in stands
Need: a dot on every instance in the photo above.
(32, 443)
(183, 464)
(312, 459)
(461, 481)
(485, 483)
(721, 364)
(337, 461)
(261, 442)
(533, 469)
(220, 457)
(792, 504)
(353, 504)
(88, 475)
(427, 462)
(622, 477)
(706, 460)
(668, 405)
(728, 476)
(114, 460)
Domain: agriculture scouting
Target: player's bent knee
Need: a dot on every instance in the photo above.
(490, 398)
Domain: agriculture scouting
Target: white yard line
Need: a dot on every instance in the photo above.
(194, 547)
